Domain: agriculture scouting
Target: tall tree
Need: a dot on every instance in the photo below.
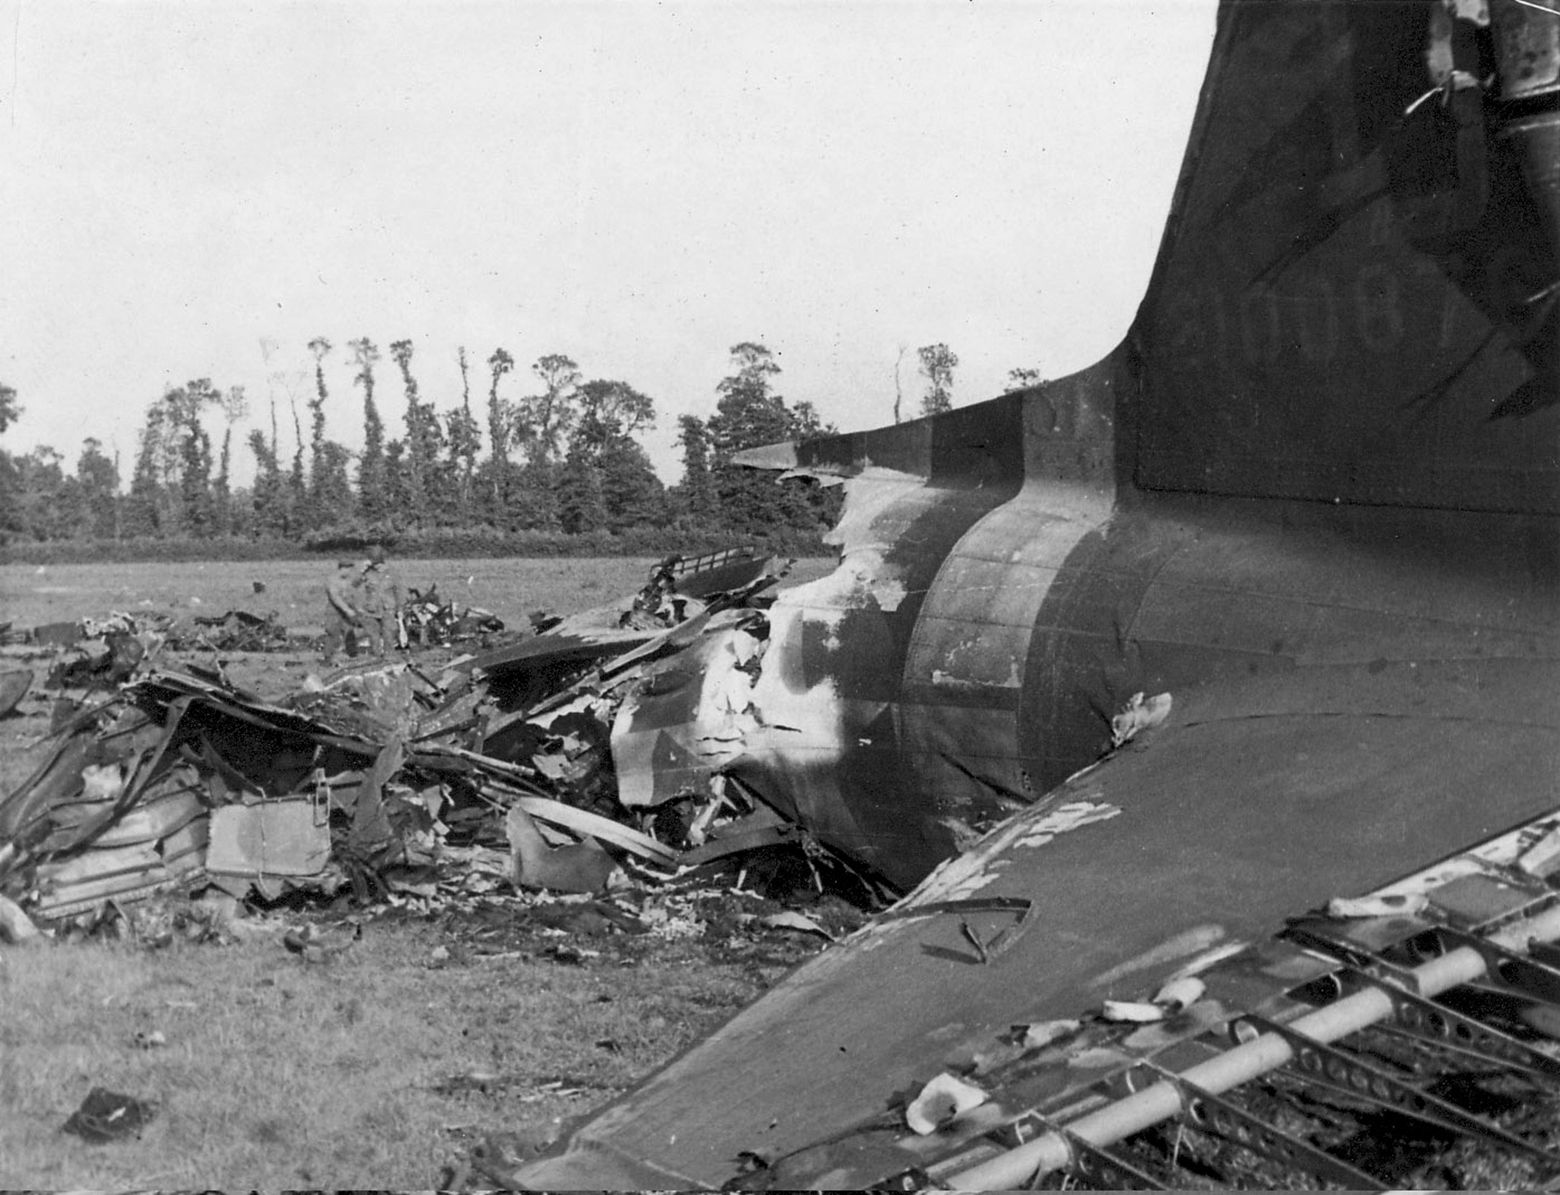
(617, 485)
(297, 479)
(373, 474)
(500, 417)
(46, 508)
(938, 362)
(465, 441)
(98, 477)
(422, 436)
(222, 486)
(170, 490)
(614, 408)
(540, 421)
(747, 414)
(145, 508)
(330, 500)
(333, 488)
(269, 493)
(696, 493)
(319, 348)
(543, 419)
(10, 409)
(10, 474)
(398, 497)
(582, 505)
(281, 505)
(235, 406)
(197, 506)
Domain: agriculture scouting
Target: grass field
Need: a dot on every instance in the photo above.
(376, 1069)
(373, 1070)
(295, 589)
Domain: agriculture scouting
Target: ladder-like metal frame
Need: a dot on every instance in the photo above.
(1391, 996)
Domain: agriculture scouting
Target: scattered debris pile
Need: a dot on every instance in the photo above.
(237, 630)
(428, 620)
(386, 782)
(95, 652)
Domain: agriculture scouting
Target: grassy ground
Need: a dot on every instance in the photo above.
(295, 589)
(376, 1069)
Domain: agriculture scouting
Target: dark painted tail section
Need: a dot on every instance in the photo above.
(1356, 300)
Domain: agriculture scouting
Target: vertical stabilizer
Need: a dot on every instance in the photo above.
(1356, 298)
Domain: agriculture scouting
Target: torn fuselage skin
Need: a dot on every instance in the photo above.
(978, 636)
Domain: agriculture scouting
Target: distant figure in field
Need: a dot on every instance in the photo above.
(380, 601)
(342, 616)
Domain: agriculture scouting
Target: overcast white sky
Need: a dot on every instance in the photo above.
(637, 185)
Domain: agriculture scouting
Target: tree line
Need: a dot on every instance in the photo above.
(563, 459)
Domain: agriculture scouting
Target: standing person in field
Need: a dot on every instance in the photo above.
(342, 616)
(380, 601)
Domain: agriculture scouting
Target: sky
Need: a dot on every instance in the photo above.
(199, 189)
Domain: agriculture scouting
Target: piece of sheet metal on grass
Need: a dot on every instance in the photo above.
(288, 838)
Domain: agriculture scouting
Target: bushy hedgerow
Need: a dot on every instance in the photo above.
(642, 540)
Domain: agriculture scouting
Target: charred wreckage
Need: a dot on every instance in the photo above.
(376, 775)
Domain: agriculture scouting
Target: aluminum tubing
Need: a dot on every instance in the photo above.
(1240, 1064)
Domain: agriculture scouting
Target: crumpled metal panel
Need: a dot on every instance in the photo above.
(886, 712)
(275, 838)
(688, 717)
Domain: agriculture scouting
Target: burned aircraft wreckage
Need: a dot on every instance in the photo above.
(368, 777)
(1256, 622)
(1205, 698)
